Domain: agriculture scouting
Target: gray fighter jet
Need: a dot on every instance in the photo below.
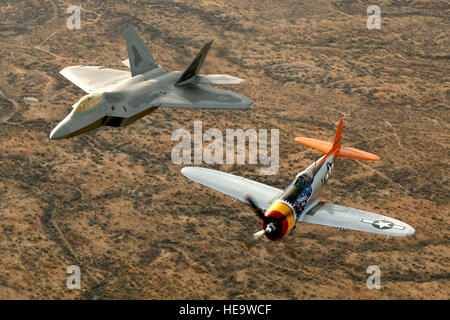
(117, 98)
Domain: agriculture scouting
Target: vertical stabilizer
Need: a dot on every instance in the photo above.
(190, 75)
(139, 56)
(338, 137)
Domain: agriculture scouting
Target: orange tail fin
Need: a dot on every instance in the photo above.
(335, 147)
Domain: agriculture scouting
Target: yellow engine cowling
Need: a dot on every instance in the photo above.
(282, 217)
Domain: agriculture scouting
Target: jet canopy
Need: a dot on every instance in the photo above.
(303, 179)
(88, 102)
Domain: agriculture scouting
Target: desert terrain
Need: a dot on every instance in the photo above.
(112, 202)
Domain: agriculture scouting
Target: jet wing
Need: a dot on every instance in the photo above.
(93, 78)
(197, 96)
(332, 215)
(233, 186)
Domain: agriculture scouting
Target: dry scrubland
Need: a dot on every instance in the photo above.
(112, 201)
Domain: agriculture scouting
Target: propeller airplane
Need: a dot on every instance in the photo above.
(280, 210)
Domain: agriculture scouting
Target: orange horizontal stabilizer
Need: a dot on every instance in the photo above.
(346, 152)
(320, 145)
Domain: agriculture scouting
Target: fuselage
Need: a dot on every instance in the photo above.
(297, 198)
(118, 104)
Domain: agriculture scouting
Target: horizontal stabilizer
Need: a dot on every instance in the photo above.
(347, 152)
(336, 148)
(320, 145)
(218, 79)
(344, 152)
(126, 62)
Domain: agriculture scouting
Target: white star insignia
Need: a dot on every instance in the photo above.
(383, 224)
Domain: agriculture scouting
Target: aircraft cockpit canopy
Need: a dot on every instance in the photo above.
(303, 179)
(88, 102)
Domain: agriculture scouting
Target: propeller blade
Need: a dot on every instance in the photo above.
(257, 236)
(253, 239)
(258, 211)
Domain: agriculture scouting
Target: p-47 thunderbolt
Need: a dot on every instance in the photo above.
(117, 98)
(280, 210)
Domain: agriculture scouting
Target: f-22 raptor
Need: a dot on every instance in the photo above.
(117, 98)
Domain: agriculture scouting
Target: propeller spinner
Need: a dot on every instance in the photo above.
(269, 226)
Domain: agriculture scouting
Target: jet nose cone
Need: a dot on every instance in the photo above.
(60, 131)
(55, 134)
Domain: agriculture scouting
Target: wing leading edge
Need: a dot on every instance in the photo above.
(233, 186)
(332, 215)
(325, 214)
(93, 78)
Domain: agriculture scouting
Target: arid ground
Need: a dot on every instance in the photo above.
(113, 203)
